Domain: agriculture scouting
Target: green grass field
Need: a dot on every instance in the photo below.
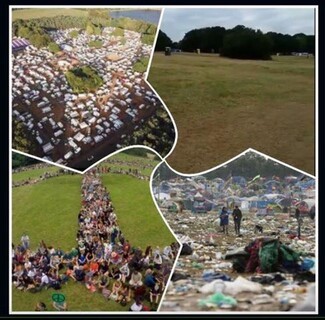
(32, 174)
(223, 106)
(48, 210)
(133, 165)
(35, 13)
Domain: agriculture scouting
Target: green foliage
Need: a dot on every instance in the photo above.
(84, 79)
(19, 160)
(139, 152)
(24, 32)
(212, 39)
(123, 41)
(148, 38)
(92, 28)
(134, 25)
(95, 44)
(39, 40)
(53, 47)
(159, 127)
(246, 43)
(141, 65)
(58, 22)
(118, 32)
(163, 41)
(20, 139)
(74, 34)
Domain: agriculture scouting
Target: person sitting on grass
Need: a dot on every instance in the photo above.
(136, 279)
(40, 306)
(149, 279)
(117, 286)
(136, 306)
(155, 292)
(125, 295)
(125, 272)
(60, 306)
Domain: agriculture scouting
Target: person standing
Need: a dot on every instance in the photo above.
(299, 220)
(25, 241)
(237, 214)
(224, 220)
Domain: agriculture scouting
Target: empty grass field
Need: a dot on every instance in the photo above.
(223, 106)
(35, 13)
(48, 211)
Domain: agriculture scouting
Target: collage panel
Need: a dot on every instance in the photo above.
(237, 78)
(163, 160)
(88, 242)
(78, 87)
(248, 234)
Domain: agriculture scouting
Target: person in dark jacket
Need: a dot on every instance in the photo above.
(237, 215)
(224, 220)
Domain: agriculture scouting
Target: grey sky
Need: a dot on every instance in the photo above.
(177, 21)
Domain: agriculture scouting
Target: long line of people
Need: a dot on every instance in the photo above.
(103, 260)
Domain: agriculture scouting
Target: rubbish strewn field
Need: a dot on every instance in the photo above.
(224, 106)
(268, 292)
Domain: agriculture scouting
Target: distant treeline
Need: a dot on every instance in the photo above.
(35, 30)
(247, 166)
(239, 42)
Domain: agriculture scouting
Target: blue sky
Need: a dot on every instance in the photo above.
(177, 21)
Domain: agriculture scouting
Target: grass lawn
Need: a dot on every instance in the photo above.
(223, 106)
(48, 210)
(135, 163)
(137, 215)
(33, 174)
(35, 13)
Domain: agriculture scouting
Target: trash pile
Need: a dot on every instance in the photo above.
(270, 269)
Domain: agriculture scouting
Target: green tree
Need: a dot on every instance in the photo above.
(74, 34)
(118, 32)
(39, 40)
(163, 41)
(246, 43)
(53, 47)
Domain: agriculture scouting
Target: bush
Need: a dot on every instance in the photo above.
(91, 28)
(118, 32)
(148, 39)
(39, 40)
(95, 44)
(53, 47)
(74, 34)
(84, 79)
(141, 65)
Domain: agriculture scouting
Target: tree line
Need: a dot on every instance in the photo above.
(248, 166)
(239, 42)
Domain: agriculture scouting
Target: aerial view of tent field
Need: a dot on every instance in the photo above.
(78, 88)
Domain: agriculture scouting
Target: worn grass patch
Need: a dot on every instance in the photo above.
(223, 106)
(35, 13)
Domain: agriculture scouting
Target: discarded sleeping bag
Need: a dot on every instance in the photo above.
(186, 250)
(268, 256)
